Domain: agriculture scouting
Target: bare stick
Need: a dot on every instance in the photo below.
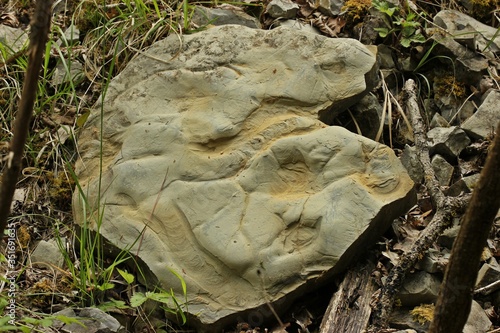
(40, 26)
(455, 296)
(446, 208)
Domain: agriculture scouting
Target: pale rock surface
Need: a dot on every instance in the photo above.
(443, 170)
(482, 123)
(438, 121)
(434, 261)
(419, 288)
(13, 39)
(213, 149)
(224, 14)
(89, 320)
(299, 25)
(488, 274)
(469, 32)
(478, 321)
(458, 36)
(282, 9)
(47, 253)
(330, 7)
(447, 141)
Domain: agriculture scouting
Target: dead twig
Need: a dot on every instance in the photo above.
(446, 209)
(40, 26)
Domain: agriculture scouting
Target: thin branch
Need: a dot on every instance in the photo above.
(40, 26)
(446, 209)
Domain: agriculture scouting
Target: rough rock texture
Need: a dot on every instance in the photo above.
(468, 31)
(13, 39)
(220, 16)
(90, 320)
(460, 36)
(447, 141)
(47, 253)
(282, 9)
(483, 122)
(213, 149)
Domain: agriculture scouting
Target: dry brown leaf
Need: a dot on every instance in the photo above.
(9, 19)
(330, 26)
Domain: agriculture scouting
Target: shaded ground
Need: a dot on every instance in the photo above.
(42, 207)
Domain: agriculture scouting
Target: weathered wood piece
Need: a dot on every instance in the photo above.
(349, 309)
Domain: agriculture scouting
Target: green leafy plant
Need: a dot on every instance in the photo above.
(168, 300)
(405, 28)
(30, 321)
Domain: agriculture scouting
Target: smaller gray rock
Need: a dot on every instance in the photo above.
(468, 31)
(401, 318)
(367, 113)
(448, 107)
(90, 320)
(221, 16)
(487, 275)
(442, 169)
(464, 185)
(471, 181)
(447, 141)
(47, 253)
(469, 65)
(434, 261)
(478, 321)
(331, 7)
(385, 57)
(448, 237)
(61, 74)
(438, 121)
(407, 63)
(299, 25)
(466, 111)
(13, 39)
(71, 36)
(60, 7)
(282, 9)
(484, 121)
(419, 288)
(468, 37)
(412, 164)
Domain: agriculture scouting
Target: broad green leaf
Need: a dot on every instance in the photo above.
(382, 32)
(113, 304)
(46, 322)
(183, 283)
(126, 275)
(407, 32)
(405, 42)
(164, 298)
(3, 303)
(82, 118)
(138, 299)
(69, 320)
(106, 286)
(4, 320)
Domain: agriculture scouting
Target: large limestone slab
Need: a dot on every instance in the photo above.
(214, 151)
